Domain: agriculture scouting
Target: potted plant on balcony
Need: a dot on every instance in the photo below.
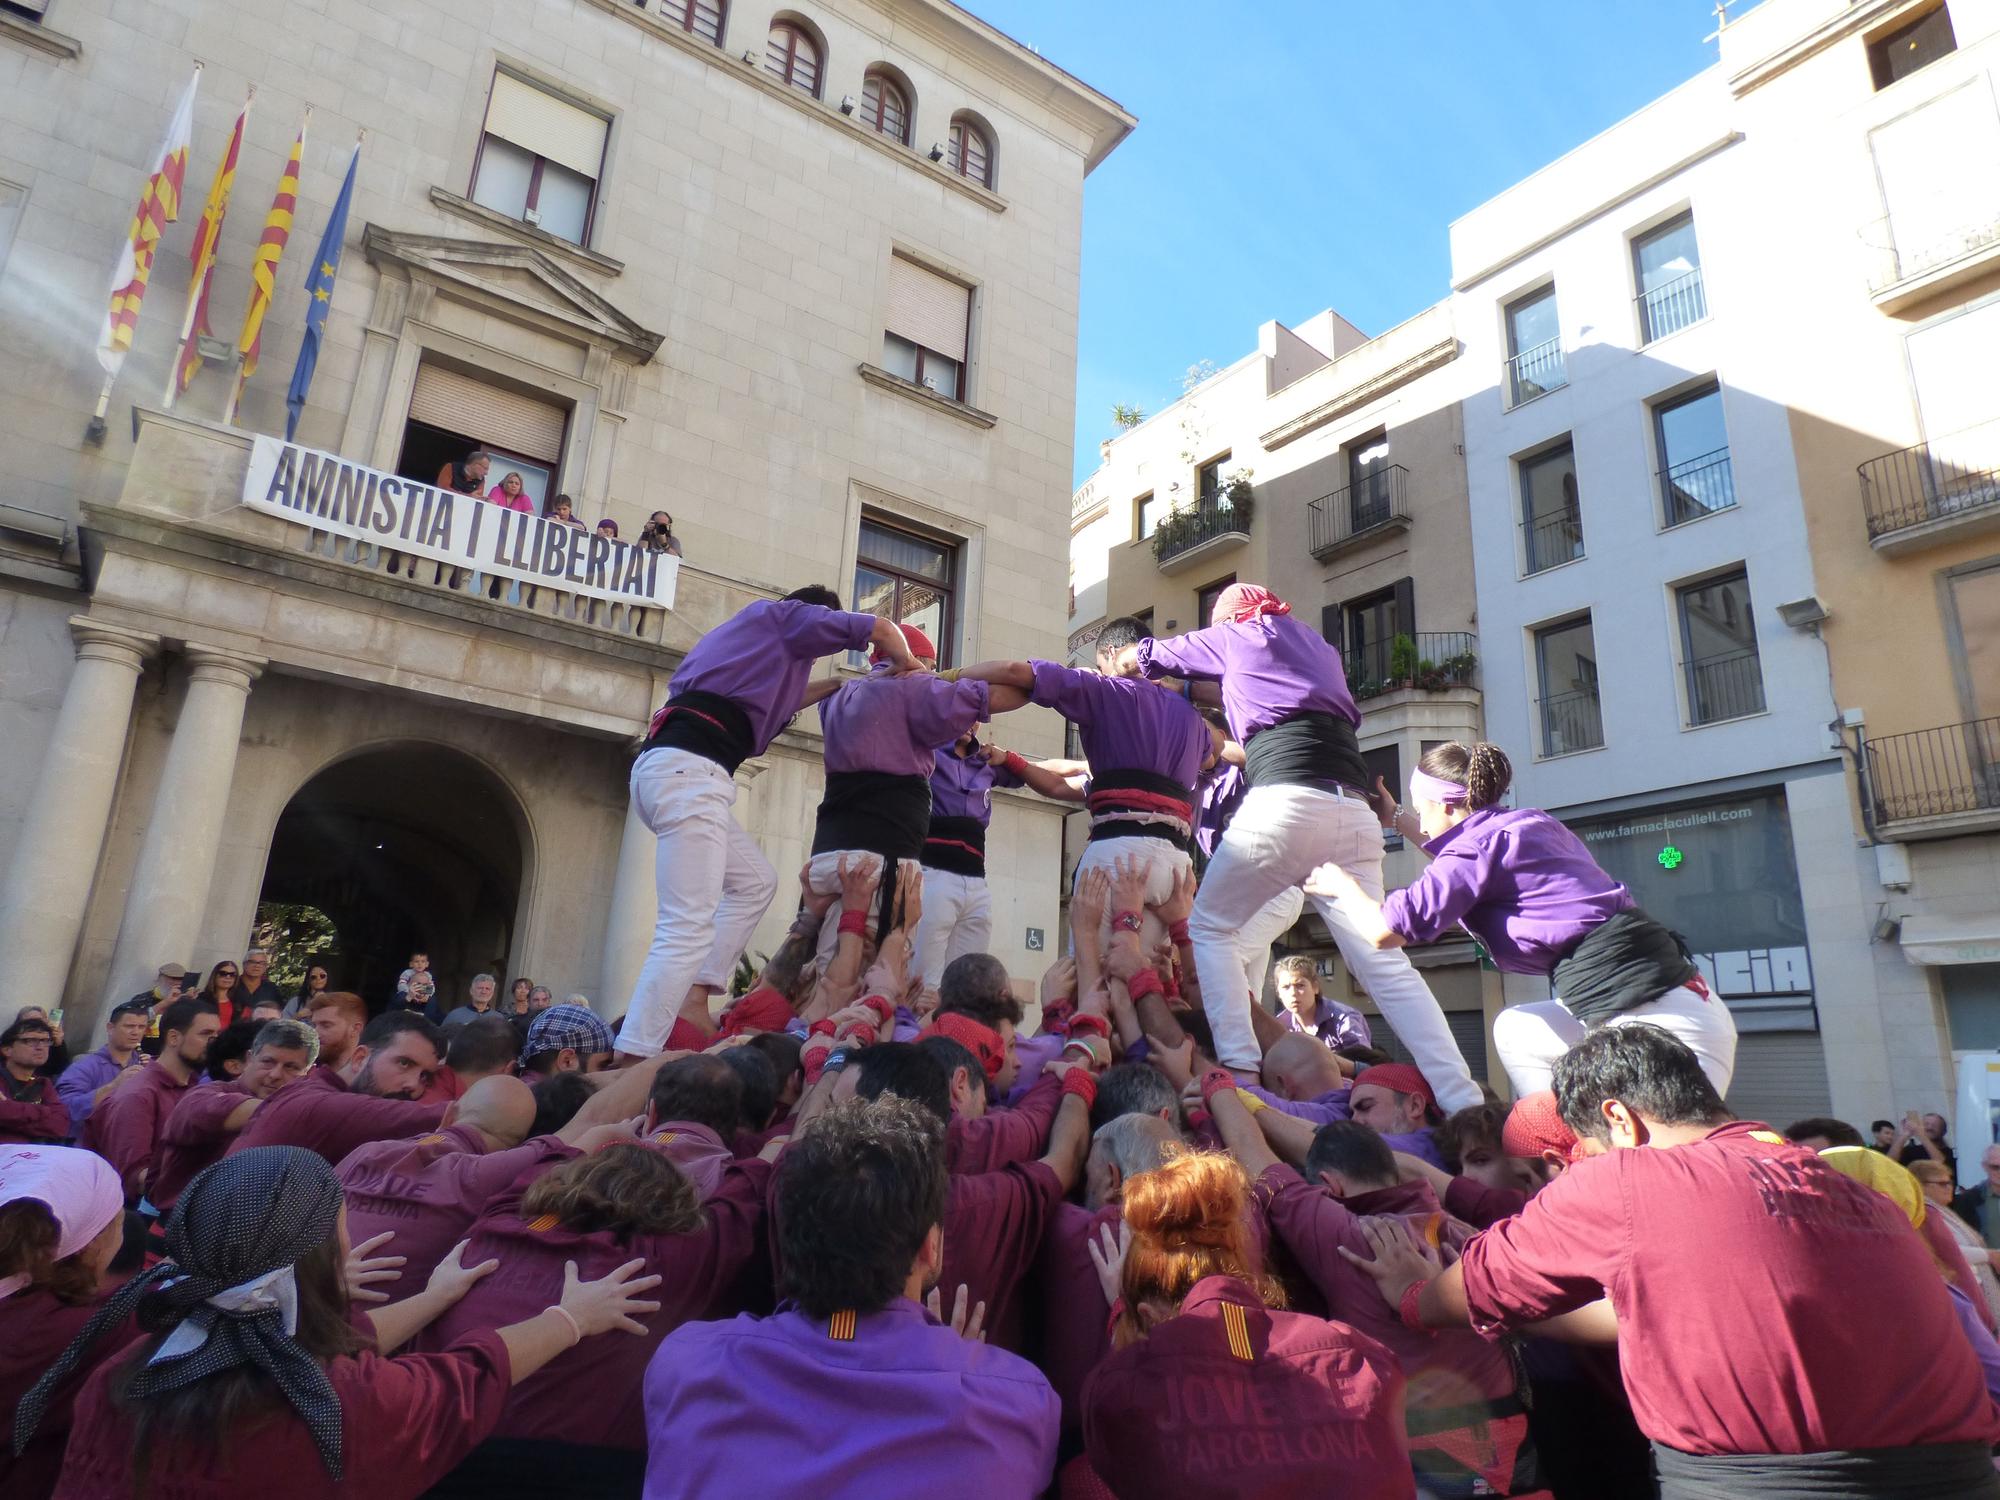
(1403, 661)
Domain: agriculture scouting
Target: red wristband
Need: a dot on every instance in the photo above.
(1090, 1022)
(1407, 1308)
(1126, 921)
(1214, 1081)
(1179, 933)
(1015, 764)
(1171, 985)
(855, 922)
(1145, 982)
(859, 1033)
(884, 1011)
(813, 1056)
(1082, 1083)
(822, 1027)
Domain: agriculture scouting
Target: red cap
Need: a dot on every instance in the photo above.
(1402, 1078)
(763, 1009)
(919, 643)
(1535, 1125)
(983, 1042)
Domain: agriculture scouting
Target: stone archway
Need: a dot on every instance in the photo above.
(406, 846)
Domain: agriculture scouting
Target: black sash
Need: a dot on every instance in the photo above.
(705, 724)
(1933, 1471)
(885, 814)
(1307, 749)
(1624, 961)
(956, 845)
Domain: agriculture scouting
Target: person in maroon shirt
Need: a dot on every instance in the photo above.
(125, 1128)
(984, 1137)
(61, 1221)
(1214, 1390)
(30, 1107)
(338, 1017)
(374, 1095)
(1752, 1285)
(202, 1123)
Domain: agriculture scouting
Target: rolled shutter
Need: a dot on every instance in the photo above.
(1406, 607)
(1330, 625)
(488, 414)
(546, 125)
(926, 309)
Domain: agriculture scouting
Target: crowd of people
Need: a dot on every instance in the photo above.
(897, 1220)
(468, 476)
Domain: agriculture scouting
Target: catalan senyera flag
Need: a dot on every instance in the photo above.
(194, 323)
(264, 266)
(159, 206)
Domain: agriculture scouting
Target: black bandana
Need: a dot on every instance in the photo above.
(245, 1217)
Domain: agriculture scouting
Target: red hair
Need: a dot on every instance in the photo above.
(1189, 1221)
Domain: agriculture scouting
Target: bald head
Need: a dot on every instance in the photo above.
(501, 1108)
(1299, 1067)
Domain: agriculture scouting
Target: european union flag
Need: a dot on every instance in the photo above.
(319, 295)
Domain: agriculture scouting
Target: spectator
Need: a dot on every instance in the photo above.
(511, 492)
(1302, 1007)
(373, 1096)
(657, 535)
(61, 1222)
(420, 963)
(30, 1108)
(314, 986)
(125, 1128)
(852, 1377)
(169, 984)
(421, 996)
(1979, 1205)
(517, 997)
(59, 1057)
(1983, 1260)
(85, 1082)
(337, 1018)
(328, 1403)
(608, 529)
(1924, 1138)
(561, 509)
(468, 475)
(565, 1039)
(220, 992)
(267, 1009)
(205, 1120)
(1882, 1136)
(541, 999)
(255, 983)
(479, 1002)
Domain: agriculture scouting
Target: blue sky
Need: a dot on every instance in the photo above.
(1294, 155)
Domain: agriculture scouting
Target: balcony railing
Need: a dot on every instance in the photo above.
(1535, 372)
(1934, 773)
(1727, 685)
(1182, 531)
(1697, 487)
(1429, 660)
(1552, 539)
(1571, 722)
(1954, 241)
(1936, 481)
(1672, 306)
(1376, 500)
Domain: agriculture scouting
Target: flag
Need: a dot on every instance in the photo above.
(319, 297)
(264, 267)
(194, 323)
(159, 206)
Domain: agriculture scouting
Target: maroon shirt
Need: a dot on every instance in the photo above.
(191, 1139)
(1003, 1136)
(322, 1114)
(428, 1191)
(41, 1116)
(592, 1394)
(1070, 1316)
(35, 1327)
(993, 1226)
(1782, 1307)
(1479, 1205)
(1231, 1399)
(125, 1128)
(405, 1423)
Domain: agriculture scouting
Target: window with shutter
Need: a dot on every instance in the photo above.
(885, 107)
(971, 154)
(792, 57)
(539, 159)
(701, 17)
(924, 336)
(488, 414)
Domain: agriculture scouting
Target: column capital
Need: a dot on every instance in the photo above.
(97, 641)
(230, 668)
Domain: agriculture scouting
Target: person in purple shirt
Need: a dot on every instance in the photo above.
(83, 1082)
(958, 907)
(1304, 1009)
(734, 693)
(1526, 888)
(854, 1389)
(1284, 692)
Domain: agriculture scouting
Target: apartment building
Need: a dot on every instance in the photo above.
(806, 279)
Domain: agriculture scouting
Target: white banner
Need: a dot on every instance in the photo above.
(333, 494)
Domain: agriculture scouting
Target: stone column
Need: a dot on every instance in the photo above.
(62, 836)
(163, 908)
(632, 912)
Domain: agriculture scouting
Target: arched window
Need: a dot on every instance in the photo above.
(971, 152)
(885, 105)
(791, 56)
(702, 17)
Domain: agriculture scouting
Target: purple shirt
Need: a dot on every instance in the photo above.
(962, 785)
(83, 1078)
(1270, 668)
(762, 655)
(1124, 724)
(893, 724)
(1332, 1106)
(1333, 1023)
(794, 1405)
(1518, 880)
(1222, 787)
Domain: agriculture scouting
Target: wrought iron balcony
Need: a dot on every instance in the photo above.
(1214, 520)
(1948, 486)
(1727, 685)
(1697, 487)
(1535, 372)
(1374, 503)
(1672, 306)
(1430, 661)
(1552, 539)
(1950, 773)
(1571, 722)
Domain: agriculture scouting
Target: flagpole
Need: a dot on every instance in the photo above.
(242, 377)
(239, 132)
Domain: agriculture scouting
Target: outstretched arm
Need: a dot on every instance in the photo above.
(1013, 674)
(1034, 775)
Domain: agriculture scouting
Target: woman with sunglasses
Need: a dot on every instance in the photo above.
(220, 991)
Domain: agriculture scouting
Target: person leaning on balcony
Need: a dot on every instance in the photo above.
(657, 535)
(468, 475)
(1527, 889)
(562, 509)
(510, 492)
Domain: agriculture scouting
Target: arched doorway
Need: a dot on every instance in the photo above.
(405, 847)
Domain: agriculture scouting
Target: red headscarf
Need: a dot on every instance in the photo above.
(1246, 601)
(1535, 1125)
(919, 643)
(982, 1041)
(763, 1009)
(1399, 1078)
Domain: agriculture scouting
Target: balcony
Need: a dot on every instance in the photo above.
(1535, 372)
(1373, 506)
(1935, 783)
(1217, 522)
(1696, 488)
(1429, 662)
(1670, 307)
(1551, 540)
(1917, 264)
(1727, 685)
(1571, 722)
(1946, 488)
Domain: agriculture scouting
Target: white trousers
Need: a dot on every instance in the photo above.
(1529, 1038)
(823, 875)
(714, 886)
(958, 919)
(1261, 931)
(1278, 837)
(1162, 862)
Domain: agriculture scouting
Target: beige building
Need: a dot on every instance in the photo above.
(807, 280)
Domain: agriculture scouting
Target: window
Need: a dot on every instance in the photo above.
(925, 337)
(1566, 677)
(1666, 263)
(1975, 617)
(452, 413)
(1386, 761)
(1368, 481)
(1370, 626)
(908, 578)
(1910, 47)
(1719, 650)
(1208, 479)
(1204, 602)
(1534, 347)
(1695, 477)
(885, 106)
(971, 152)
(539, 159)
(702, 17)
(1150, 512)
(1939, 169)
(1551, 514)
(792, 57)
(34, 10)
